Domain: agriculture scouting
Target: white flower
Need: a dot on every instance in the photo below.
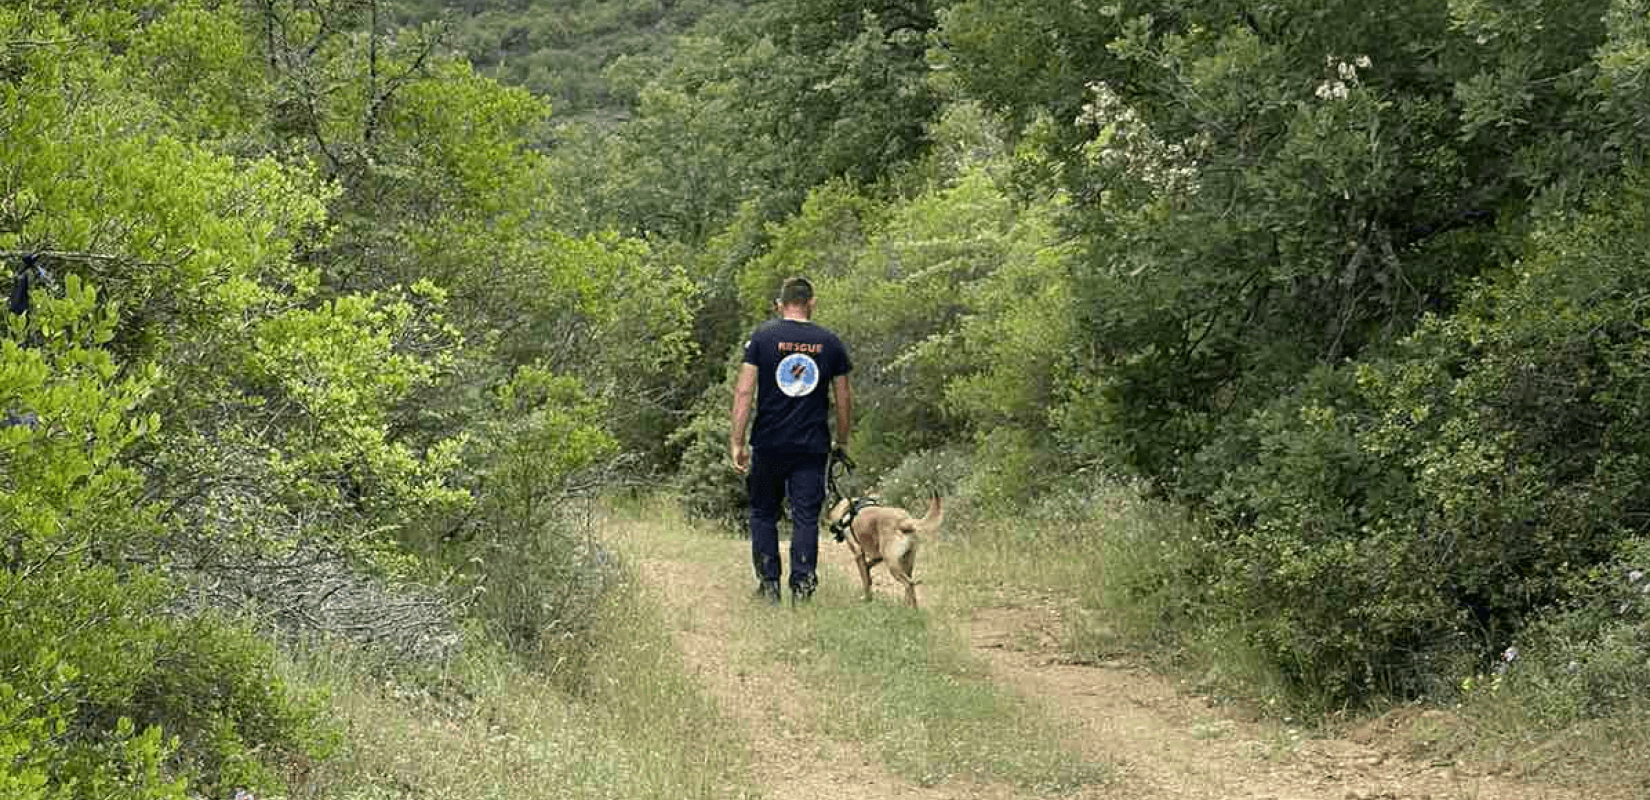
(1363, 62)
(1347, 71)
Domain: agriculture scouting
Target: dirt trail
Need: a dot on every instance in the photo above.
(791, 758)
(1166, 744)
(1175, 745)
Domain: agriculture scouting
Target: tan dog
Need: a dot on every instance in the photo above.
(889, 536)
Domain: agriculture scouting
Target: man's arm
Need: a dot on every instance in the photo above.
(744, 389)
(843, 394)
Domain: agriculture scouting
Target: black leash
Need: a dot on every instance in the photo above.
(839, 457)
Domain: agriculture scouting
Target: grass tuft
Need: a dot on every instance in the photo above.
(907, 687)
(491, 728)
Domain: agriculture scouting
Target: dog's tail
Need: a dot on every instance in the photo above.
(929, 524)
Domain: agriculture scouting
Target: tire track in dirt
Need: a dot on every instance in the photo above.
(1174, 745)
(709, 612)
(1168, 744)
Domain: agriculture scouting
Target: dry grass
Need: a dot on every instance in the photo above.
(905, 685)
(1093, 552)
(901, 684)
(489, 728)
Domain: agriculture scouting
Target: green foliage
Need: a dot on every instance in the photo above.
(920, 475)
(1583, 660)
(63, 484)
(196, 63)
(235, 720)
(292, 237)
(757, 110)
(1333, 291)
(1395, 522)
(125, 766)
(683, 164)
(60, 641)
(133, 699)
(1336, 580)
(822, 241)
(559, 49)
(538, 583)
(710, 488)
(844, 91)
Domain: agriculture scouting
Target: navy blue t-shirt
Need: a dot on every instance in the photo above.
(795, 365)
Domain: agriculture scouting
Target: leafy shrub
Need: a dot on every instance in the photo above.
(211, 685)
(1317, 557)
(142, 692)
(535, 574)
(1585, 658)
(1388, 526)
(540, 594)
(942, 471)
(709, 487)
(37, 764)
(1011, 468)
(1155, 569)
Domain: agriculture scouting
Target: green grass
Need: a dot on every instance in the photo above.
(1527, 722)
(489, 728)
(1094, 551)
(905, 686)
(1099, 553)
(900, 683)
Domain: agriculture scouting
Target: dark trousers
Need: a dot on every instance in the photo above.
(774, 476)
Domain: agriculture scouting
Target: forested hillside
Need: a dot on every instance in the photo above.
(334, 306)
(559, 49)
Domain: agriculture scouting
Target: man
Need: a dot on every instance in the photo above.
(793, 367)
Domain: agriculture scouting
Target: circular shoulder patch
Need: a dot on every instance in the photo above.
(797, 375)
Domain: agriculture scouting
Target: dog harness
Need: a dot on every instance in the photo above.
(839, 528)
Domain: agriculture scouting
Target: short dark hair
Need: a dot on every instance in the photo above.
(795, 291)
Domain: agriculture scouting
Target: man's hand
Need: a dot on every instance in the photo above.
(744, 390)
(839, 454)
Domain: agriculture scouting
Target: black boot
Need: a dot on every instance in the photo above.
(802, 591)
(768, 592)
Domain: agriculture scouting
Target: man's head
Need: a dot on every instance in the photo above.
(796, 294)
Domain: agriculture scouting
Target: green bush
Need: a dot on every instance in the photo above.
(1320, 566)
(1389, 526)
(1585, 658)
(710, 488)
(37, 763)
(540, 595)
(943, 471)
(533, 572)
(212, 686)
(139, 690)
